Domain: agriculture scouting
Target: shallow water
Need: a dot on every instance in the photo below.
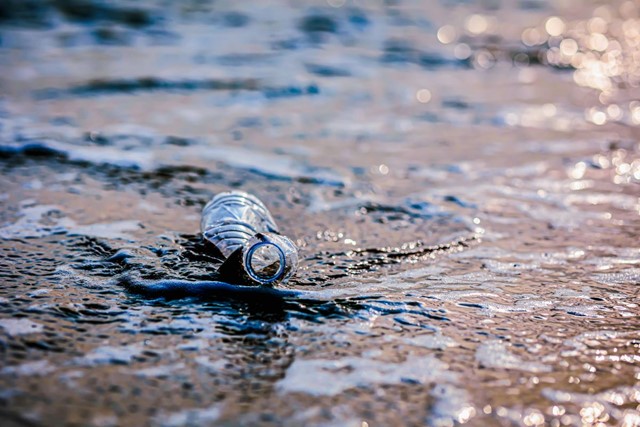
(463, 187)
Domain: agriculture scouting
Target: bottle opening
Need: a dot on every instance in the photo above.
(265, 262)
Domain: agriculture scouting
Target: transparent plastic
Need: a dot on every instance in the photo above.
(244, 231)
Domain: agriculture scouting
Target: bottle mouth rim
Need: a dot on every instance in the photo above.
(260, 278)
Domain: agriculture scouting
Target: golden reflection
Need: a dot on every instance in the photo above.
(626, 169)
(596, 116)
(477, 24)
(597, 25)
(533, 418)
(577, 172)
(631, 418)
(423, 96)
(598, 42)
(465, 414)
(614, 111)
(446, 34)
(554, 26)
(603, 50)
(568, 47)
(635, 115)
(533, 37)
(593, 413)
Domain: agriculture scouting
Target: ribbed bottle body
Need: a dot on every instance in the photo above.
(230, 219)
(244, 231)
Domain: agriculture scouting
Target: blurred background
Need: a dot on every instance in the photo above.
(461, 177)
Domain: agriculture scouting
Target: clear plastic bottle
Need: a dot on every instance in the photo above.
(244, 231)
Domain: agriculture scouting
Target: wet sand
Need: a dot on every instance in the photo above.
(462, 180)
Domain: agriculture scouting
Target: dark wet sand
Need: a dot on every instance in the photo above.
(462, 179)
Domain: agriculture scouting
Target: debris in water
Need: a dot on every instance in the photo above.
(242, 229)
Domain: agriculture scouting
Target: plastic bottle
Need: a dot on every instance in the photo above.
(244, 231)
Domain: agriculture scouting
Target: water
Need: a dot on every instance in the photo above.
(463, 190)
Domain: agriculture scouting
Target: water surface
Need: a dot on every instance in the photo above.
(462, 179)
